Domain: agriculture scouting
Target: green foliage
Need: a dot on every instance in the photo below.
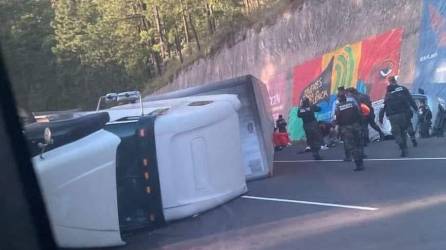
(66, 53)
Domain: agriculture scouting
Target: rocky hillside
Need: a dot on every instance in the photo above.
(298, 35)
(315, 47)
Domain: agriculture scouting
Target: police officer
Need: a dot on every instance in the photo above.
(281, 124)
(397, 104)
(440, 120)
(348, 118)
(425, 119)
(410, 128)
(370, 119)
(311, 127)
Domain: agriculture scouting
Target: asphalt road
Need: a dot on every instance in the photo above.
(394, 204)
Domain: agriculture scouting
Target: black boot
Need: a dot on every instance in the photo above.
(414, 143)
(404, 152)
(348, 156)
(359, 165)
(317, 157)
(316, 154)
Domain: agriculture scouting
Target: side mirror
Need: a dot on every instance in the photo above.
(48, 140)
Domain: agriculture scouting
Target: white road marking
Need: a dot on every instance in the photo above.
(302, 161)
(311, 203)
(377, 159)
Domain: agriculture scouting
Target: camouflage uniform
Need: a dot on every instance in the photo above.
(400, 125)
(349, 118)
(367, 120)
(351, 134)
(397, 104)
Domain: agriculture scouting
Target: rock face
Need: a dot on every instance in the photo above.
(317, 27)
(315, 48)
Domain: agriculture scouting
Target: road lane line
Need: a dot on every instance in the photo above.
(302, 161)
(310, 203)
(377, 159)
(408, 159)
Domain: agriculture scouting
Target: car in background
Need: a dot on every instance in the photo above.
(386, 127)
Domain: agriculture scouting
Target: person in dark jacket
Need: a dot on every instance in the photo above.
(410, 129)
(311, 127)
(397, 104)
(440, 120)
(281, 124)
(349, 118)
(368, 120)
(425, 119)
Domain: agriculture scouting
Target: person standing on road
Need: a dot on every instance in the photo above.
(343, 91)
(281, 124)
(397, 104)
(370, 119)
(425, 119)
(410, 129)
(349, 118)
(352, 93)
(440, 120)
(310, 125)
(280, 135)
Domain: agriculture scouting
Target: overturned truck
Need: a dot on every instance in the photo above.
(255, 117)
(107, 173)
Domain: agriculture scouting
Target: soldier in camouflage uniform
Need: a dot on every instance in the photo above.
(348, 117)
(362, 98)
(350, 98)
(311, 127)
(397, 104)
